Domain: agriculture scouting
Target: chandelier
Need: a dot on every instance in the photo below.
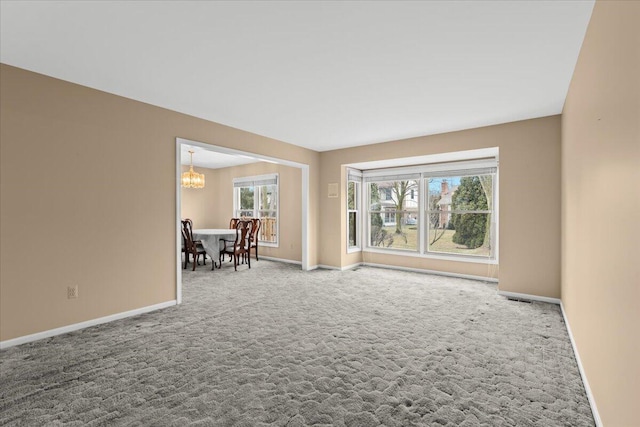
(192, 179)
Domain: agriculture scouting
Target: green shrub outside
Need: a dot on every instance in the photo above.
(470, 228)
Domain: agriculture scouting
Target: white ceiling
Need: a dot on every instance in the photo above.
(211, 159)
(321, 75)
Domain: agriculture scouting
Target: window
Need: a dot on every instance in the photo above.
(257, 197)
(393, 212)
(354, 180)
(460, 214)
(442, 210)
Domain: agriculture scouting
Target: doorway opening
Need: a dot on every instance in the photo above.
(242, 157)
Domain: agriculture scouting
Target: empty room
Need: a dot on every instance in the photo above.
(358, 213)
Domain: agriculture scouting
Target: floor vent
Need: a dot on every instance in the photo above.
(519, 300)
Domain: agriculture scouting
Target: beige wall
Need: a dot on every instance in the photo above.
(96, 206)
(529, 180)
(201, 204)
(601, 209)
(212, 206)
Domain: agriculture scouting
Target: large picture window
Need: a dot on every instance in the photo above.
(433, 210)
(257, 197)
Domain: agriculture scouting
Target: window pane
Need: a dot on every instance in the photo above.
(246, 198)
(352, 229)
(392, 229)
(374, 197)
(268, 197)
(440, 192)
(394, 214)
(486, 181)
(461, 193)
(245, 213)
(351, 196)
(377, 232)
(467, 234)
(269, 226)
(396, 195)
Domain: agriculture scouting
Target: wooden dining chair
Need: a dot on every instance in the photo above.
(233, 223)
(184, 243)
(190, 223)
(255, 235)
(192, 247)
(238, 247)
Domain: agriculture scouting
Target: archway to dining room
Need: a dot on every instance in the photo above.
(233, 169)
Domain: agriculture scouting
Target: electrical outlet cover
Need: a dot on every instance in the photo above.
(72, 292)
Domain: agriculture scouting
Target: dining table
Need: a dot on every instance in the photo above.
(210, 238)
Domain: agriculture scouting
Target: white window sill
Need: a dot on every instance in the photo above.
(444, 257)
(268, 244)
(354, 249)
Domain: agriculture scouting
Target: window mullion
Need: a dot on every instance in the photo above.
(256, 202)
(236, 202)
(467, 212)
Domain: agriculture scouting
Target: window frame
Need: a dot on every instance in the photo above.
(385, 213)
(426, 170)
(354, 176)
(451, 212)
(254, 181)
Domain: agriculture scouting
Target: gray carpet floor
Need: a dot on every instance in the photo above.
(280, 347)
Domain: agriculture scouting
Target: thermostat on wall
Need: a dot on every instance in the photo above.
(333, 190)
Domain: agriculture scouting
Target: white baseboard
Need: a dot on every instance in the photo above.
(435, 272)
(346, 267)
(587, 388)
(76, 326)
(328, 267)
(288, 261)
(530, 297)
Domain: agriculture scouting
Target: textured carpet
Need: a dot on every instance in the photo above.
(277, 346)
